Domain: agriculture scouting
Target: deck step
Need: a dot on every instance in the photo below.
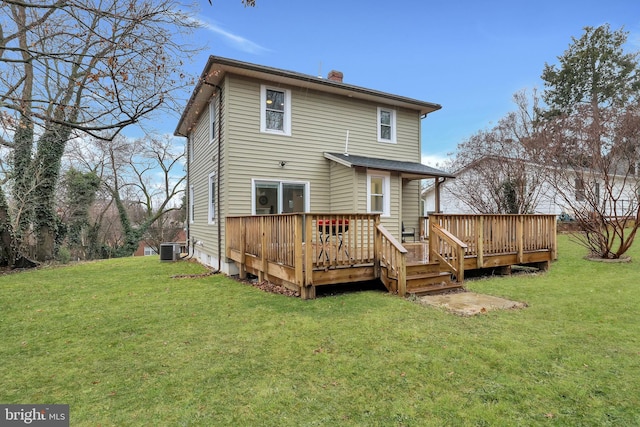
(423, 268)
(434, 289)
(421, 280)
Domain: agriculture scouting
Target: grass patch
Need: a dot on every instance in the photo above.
(124, 344)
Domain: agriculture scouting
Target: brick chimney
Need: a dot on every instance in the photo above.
(335, 76)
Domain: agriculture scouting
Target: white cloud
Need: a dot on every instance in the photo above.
(235, 40)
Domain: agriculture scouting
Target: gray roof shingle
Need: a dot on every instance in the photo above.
(412, 169)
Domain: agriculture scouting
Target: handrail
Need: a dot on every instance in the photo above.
(448, 249)
(393, 256)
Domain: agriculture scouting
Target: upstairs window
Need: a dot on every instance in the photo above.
(386, 125)
(275, 110)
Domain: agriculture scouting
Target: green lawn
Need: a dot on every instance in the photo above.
(124, 344)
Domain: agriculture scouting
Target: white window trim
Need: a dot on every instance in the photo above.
(287, 111)
(386, 192)
(213, 119)
(393, 125)
(191, 205)
(211, 217)
(280, 182)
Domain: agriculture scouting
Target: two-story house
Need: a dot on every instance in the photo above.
(264, 141)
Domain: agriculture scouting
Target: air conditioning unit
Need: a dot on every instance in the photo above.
(169, 251)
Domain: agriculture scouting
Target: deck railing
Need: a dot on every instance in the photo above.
(308, 250)
(302, 241)
(499, 234)
(337, 240)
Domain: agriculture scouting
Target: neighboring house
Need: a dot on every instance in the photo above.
(264, 141)
(146, 248)
(452, 200)
(545, 198)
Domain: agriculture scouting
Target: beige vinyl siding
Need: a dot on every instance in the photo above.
(319, 123)
(344, 185)
(199, 170)
(256, 155)
(410, 204)
(204, 163)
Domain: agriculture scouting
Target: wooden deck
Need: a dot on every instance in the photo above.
(302, 251)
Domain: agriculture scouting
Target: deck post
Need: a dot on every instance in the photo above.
(242, 270)
(402, 276)
(309, 251)
(308, 292)
(432, 241)
(377, 249)
(554, 247)
(298, 262)
(262, 275)
(480, 241)
(460, 266)
(307, 288)
(520, 238)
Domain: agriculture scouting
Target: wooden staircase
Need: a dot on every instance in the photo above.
(427, 278)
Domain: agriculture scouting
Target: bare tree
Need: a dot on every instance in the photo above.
(72, 68)
(598, 182)
(496, 170)
(143, 181)
(592, 139)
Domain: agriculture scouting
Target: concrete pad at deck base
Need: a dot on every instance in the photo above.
(469, 303)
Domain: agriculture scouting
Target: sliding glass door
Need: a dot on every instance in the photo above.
(275, 197)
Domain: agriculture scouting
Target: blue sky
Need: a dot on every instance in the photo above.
(468, 56)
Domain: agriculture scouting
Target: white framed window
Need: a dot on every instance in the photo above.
(275, 110)
(378, 193)
(191, 204)
(213, 119)
(276, 197)
(386, 125)
(212, 198)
